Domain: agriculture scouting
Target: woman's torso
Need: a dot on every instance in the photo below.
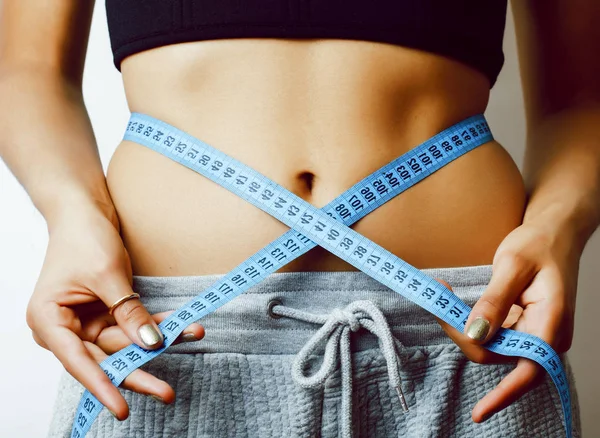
(316, 116)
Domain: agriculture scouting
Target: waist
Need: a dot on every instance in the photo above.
(316, 130)
(259, 330)
(175, 222)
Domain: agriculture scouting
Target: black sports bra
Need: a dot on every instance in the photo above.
(470, 31)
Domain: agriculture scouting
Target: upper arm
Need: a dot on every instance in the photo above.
(45, 34)
(559, 54)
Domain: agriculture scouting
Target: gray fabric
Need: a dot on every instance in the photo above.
(238, 381)
(335, 331)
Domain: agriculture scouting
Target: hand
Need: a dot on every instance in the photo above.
(534, 270)
(111, 339)
(86, 269)
(104, 339)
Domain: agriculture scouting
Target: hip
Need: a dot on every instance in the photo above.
(243, 378)
(259, 320)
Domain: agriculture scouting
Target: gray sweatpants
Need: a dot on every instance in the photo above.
(261, 370)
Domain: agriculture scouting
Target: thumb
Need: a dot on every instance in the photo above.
(131, 315)
(510, 277)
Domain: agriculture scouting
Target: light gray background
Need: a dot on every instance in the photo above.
(29, 374)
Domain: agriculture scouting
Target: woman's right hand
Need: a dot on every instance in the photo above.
(87, 269)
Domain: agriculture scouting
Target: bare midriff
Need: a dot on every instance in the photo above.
(316, 116)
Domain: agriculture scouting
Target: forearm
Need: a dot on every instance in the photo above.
(562, 174)
(48, 143)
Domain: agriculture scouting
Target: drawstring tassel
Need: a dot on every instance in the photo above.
(335, 330)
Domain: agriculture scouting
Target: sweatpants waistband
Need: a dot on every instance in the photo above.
(246, 325)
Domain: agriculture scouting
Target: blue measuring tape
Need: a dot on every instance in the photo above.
(327, 227)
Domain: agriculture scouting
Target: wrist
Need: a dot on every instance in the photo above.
(74, 203)
(568, 220)
(562, 174)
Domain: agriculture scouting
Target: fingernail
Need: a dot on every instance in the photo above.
(157, 398)
(478, 329)
(150, 336)
(113, 414)
(188, 337)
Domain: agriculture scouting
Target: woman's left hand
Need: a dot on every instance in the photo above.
(535, 267)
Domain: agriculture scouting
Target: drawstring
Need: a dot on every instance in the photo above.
(335, 330)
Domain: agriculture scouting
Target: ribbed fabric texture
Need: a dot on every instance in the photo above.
(237, 382)
(470, 31)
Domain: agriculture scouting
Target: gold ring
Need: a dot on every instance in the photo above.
(121, 301)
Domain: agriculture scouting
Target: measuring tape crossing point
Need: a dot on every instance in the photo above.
(327, 227)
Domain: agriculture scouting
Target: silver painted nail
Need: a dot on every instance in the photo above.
(150, 336)
(478, 329)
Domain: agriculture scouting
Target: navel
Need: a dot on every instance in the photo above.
(307, 180)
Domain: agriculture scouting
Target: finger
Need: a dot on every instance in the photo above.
(131, 315)
(473, 352)
(444, 282)
(513, 316)
(76, 359)
(541, 319)
(510, 277)
(93, 325)
(139, 380)
(39, 340)
(102, 331)
(113, 339)
(548, 313)
(194, 328)
(522, 379)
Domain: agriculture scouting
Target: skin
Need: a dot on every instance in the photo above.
(325, 111)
